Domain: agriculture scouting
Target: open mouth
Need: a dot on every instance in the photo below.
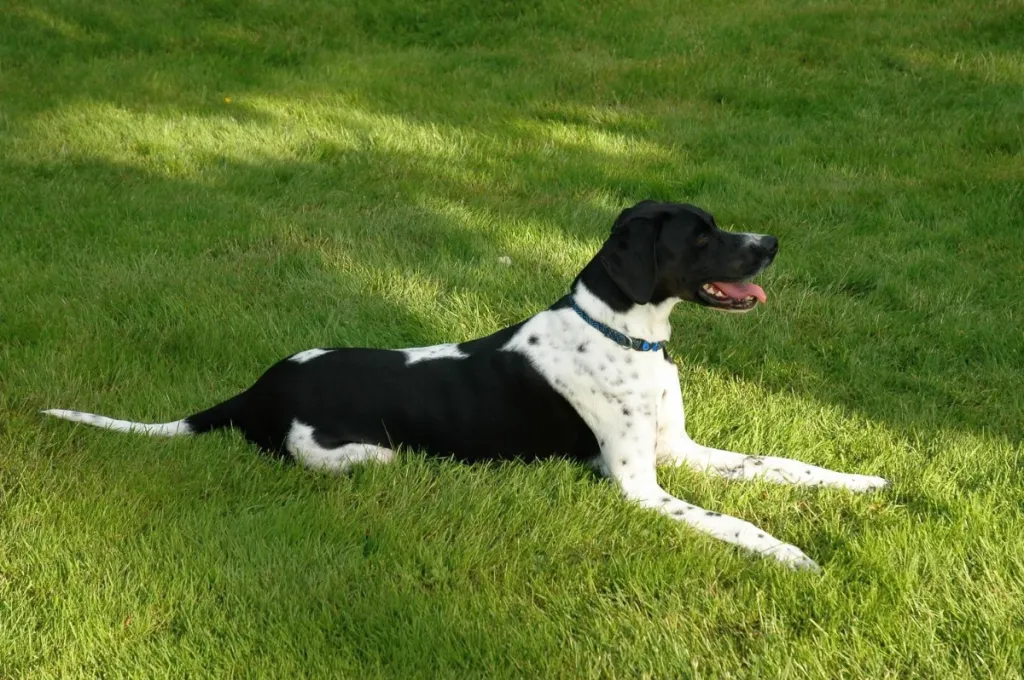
(736, 297)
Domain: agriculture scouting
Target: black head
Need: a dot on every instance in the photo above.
(658, 251)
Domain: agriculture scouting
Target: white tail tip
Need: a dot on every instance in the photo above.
(177, 428)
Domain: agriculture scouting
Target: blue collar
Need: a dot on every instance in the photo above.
(620, 339)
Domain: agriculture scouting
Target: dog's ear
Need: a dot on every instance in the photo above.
(630, 253)
(643, 207)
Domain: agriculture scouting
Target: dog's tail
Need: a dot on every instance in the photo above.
(219, 416)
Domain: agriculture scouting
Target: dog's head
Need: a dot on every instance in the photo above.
(658, 251)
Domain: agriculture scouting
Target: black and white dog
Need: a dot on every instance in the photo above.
(588, 378)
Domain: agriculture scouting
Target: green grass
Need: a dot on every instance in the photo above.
(190, 191)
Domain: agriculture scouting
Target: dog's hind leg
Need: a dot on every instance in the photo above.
(302, 443)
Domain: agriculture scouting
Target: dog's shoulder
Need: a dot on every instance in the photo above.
(545, 334)
(580, 362)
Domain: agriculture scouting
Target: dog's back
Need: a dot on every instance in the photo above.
(472, 401)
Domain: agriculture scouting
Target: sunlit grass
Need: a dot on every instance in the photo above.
(190, 192)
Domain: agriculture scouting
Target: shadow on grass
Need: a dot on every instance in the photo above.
(262, 240)
(343, 210)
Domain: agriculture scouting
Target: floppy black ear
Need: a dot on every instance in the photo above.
(630, 256)
(646, 207)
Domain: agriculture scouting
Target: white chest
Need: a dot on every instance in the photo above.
(616, 391)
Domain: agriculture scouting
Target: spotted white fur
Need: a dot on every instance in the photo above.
(632, 402)
(674, 447)
(174, 429)
(446, 351)
(308, 355)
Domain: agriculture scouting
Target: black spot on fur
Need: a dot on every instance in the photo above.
(635, 375)
(758, 461)
(709, 513)
(808, 472)
(665, 499)
(760, 535)
(582, 347)
(533, 340)
(626, 411)
(623, 461)
(678, 512)
(737, 534)
(629, 360)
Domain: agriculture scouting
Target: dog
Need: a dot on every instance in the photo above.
(588, 378)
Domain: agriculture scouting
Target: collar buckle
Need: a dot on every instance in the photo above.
(621, 339)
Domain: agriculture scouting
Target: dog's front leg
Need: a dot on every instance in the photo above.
(676, 448)
(629, 460)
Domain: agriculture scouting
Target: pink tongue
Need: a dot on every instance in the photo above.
(738, 291)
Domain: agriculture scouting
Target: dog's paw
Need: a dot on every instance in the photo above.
(865, 483)
(793, 557)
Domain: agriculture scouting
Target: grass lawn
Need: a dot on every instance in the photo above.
(191, 191)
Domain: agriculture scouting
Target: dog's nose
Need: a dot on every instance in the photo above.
(770, 245)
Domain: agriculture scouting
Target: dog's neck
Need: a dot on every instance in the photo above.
(604, 301)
